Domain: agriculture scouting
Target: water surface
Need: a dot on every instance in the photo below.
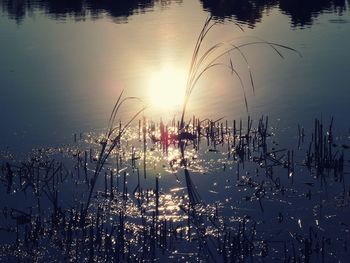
(63, 65)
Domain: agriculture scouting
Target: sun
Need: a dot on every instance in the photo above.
(167, 88)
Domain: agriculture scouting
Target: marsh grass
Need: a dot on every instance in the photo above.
(111, 139)
(210, 58)
(137, 227)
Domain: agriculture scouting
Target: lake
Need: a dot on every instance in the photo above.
(257, 170)
(63, 65)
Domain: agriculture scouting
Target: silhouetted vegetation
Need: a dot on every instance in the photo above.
(303, 194)
(79, 9)
(301, 12)
(250, 12)
(211, 190)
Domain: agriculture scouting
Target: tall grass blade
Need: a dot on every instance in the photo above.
(201, 62)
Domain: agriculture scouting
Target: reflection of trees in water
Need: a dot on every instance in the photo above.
(302, 12)
(121, 9)
(249, 12)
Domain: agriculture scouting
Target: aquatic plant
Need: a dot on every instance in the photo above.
(111, 140)
(201, 62)
(156, 222)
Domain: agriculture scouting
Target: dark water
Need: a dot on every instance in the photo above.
(270, 195)
(247, 198)
(301, 13)
(64, 63)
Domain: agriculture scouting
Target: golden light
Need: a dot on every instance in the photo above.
(167, 88)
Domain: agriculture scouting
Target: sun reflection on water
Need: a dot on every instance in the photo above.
(167, 88)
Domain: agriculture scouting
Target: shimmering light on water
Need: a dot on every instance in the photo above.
(68, 81)
(243, 193)
(167, 88)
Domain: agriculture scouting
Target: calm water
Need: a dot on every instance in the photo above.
(62, 66)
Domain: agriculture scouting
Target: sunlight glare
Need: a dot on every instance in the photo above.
(167, 88)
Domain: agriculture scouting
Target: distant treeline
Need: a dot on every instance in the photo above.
(302, 12)
(79, 9)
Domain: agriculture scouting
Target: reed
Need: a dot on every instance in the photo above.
(126, 228)
(135, 228)
(204, 60)
(111, 139)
